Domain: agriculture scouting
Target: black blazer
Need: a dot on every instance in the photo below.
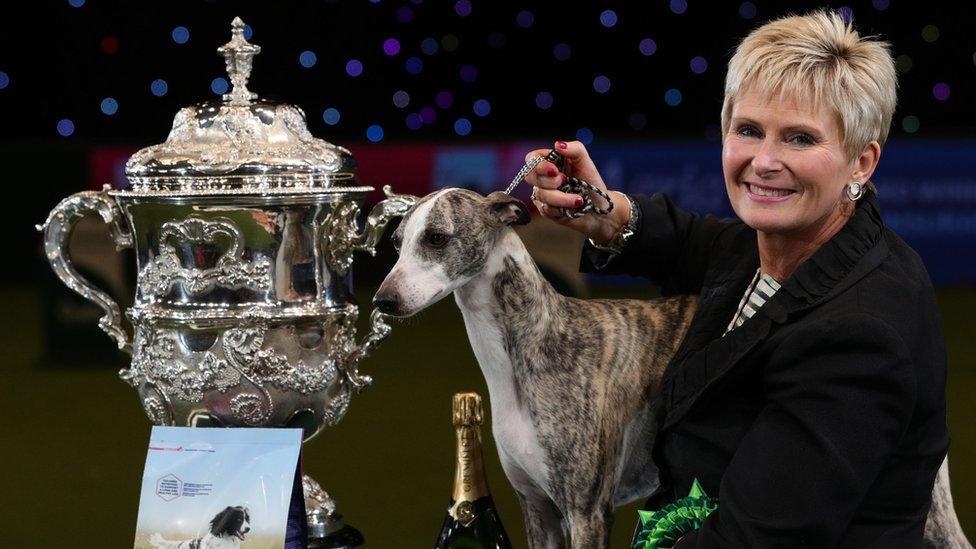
(821, 421)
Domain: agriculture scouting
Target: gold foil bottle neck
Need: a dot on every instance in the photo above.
(467, 409)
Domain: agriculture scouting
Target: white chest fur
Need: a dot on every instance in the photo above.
(521, 455)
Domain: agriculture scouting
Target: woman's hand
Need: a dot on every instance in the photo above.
(546, 178)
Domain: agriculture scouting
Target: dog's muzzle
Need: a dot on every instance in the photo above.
(387, 302)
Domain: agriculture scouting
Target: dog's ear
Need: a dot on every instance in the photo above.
(507, 209)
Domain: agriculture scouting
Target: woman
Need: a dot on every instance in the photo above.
(809, 392)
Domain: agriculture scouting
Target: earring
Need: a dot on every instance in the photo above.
(855, 191)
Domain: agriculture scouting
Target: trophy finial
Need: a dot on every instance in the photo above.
(239, 54)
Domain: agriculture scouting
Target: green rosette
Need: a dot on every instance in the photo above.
(662, 528)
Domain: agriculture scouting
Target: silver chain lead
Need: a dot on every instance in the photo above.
(572, 186)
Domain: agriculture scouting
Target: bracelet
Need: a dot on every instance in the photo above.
(625, 234)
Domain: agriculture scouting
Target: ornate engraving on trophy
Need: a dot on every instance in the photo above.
(231, 271)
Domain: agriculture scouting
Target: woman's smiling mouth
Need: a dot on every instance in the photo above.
(761, 193)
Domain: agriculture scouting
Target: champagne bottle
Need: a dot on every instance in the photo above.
(472, 521)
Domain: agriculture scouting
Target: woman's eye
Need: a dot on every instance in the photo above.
(437, 240)
(802, 139)
(747, 131)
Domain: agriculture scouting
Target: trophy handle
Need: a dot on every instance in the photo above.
(394, 205)
(57, 234)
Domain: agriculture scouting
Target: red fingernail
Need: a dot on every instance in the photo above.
(579, 201)
(562, 145)
(552, 172)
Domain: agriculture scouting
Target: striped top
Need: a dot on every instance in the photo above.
(757, 294)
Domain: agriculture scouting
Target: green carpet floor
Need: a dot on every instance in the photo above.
(74, 438)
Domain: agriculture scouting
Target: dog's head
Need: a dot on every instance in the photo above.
(444, 241)
(232, 521)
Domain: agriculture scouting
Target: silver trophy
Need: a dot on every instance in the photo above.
(244, 227)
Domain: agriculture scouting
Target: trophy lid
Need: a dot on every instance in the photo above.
(241, 145)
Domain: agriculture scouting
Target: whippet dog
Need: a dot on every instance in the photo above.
(571, 382)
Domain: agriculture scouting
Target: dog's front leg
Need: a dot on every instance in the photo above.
(543, 523)
(591, 531)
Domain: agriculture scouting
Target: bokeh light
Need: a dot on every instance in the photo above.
(481, 107)
(462, 126)
(698, 65)
(331, 116)
(109, 44)
(601, 84)
(374, 133)
(413, 121)
(308, 59)
(401, 99)
(462, 8)
(672, 97)
(584, 136)
(4, 80)
(109, 106)
(218, 85)
(880, 5)
(76, 3)
(496, 40)
(941, 91)
(414, 65)
(181, 35)
(543, 100)
(404, 14)
(428, 115)
(65, 127)
(525, 19)
(354, 67)
(647, 46)
(608, 18)
(159, 87)
(679, 6)
(468, 73)
(930, 33)
(429, 46)
(450, 42)
(846, 13)
(910, 124)
(391, 46)
(562, 51)
(903, 63)
(747, 10)
(444, 99)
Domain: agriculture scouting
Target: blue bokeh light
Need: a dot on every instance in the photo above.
(543, 100)
(181, 35)
(608, 18)
(354, 67)
(429, 46)
(462, 126)
(66, 127)
(4, 80)
(525, 19)
(308, 59)
(482, 107)
(562, 51)
(218, 85)
(747, 10)
(109, 106)
(584, 136)
(414, 65)
(672, 97)
(601, 84)
(159, 87)
(374, 133)
(76, 3)
(331, 116)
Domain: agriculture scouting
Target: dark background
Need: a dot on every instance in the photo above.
(75, 436)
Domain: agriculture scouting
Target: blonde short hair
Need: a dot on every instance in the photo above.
(819, 58)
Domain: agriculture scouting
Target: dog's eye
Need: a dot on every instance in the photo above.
(437, 240)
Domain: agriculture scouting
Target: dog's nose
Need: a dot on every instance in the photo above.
(386, 302)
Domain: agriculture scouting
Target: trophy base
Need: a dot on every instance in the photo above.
(344, 538)
(325, 527)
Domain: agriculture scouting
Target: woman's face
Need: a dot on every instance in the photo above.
(785, 165)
